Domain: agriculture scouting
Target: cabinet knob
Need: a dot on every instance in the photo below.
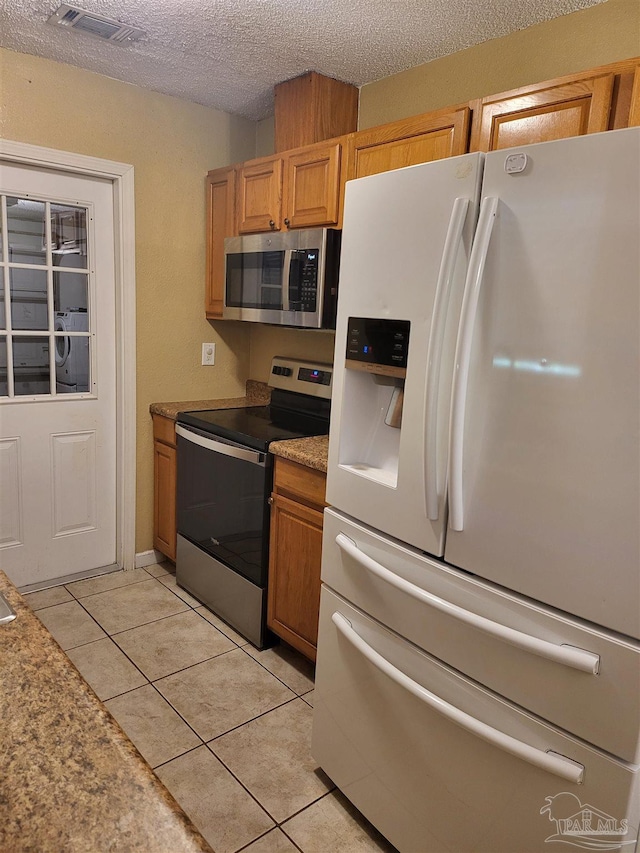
(272, 224)
(270, 501)
(287, 222)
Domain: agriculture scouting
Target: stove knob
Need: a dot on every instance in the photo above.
(286, 371)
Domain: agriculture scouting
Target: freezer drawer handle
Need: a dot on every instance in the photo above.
(468, 313)
(567, 655)
(550, 761)
(219, 447)
(434, 355)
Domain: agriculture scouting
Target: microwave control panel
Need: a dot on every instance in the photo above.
(303, 280)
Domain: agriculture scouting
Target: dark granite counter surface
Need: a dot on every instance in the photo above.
(70, 779)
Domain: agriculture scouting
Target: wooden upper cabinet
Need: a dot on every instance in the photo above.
(419, 139)
(634, 112)
(312, 186)
(542, 114)
(220, 190)
(259, 195)
(313, 108)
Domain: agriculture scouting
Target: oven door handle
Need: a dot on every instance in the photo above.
(253, 456)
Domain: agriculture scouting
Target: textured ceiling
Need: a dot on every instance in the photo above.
(229, 54)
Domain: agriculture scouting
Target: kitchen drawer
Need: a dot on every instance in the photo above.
(298, 481)
(462, 620)
(484, 783)
(164, 429)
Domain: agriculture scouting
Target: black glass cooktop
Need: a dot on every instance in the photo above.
(254, 426)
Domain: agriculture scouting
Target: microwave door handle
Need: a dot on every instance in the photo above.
(286, 274)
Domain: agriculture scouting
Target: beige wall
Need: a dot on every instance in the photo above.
(265, 137)
(171, 143)
(267, 341)
(598, 35)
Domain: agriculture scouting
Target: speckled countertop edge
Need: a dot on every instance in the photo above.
(257, 394)
(312, 451)
(71, 779)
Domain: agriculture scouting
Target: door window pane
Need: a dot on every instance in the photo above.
(3, 318)
(72, 364)
(68, 236)
(70, 292)
(44, 298)
(29, 299)
(4, 388)
(31, 365)
(26, 231)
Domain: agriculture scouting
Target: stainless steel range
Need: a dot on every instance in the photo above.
(225, 475)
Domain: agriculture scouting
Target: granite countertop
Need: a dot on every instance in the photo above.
(311, 452)
(257, 394)
(70, 779)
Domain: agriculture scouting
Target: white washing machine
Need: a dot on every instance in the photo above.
(72, 354)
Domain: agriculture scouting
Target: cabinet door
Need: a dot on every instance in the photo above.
(294, 573)
(420, 139)
(634, 113)
(312, 186)
(164, 504)
(220, 189)
(542, 113)
(259, 195)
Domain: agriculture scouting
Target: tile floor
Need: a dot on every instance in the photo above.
(225, 727)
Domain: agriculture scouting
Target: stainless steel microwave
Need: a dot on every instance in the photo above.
(288, 278)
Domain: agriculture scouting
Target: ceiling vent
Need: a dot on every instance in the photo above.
(94, 25)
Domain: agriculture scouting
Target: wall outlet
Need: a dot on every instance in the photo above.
(208, 353)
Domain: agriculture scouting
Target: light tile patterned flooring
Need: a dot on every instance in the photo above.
(225, 727)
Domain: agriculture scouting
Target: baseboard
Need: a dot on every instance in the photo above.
(149, 558)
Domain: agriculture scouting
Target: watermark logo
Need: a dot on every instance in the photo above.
(582, 825)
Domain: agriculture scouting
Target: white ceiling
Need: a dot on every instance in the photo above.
(229, 54)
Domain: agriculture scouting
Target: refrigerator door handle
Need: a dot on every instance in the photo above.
(548, 760)
(468, 313)
(434, 355)
(572, 656)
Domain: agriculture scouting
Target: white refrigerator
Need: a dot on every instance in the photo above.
(478, 675)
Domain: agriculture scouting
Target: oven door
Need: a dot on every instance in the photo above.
(222, 495)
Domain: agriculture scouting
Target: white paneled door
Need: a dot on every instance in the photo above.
(57, 374)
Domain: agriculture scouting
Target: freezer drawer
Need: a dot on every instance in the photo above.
(573, 674)
(496, 780)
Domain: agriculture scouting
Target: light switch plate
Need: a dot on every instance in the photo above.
(208, 353)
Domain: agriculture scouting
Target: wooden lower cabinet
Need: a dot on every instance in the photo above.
(164, 486)
(295, 555)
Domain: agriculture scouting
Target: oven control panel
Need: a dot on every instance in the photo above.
(305, 377)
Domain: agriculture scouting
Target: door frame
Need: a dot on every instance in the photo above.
(121, 177)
